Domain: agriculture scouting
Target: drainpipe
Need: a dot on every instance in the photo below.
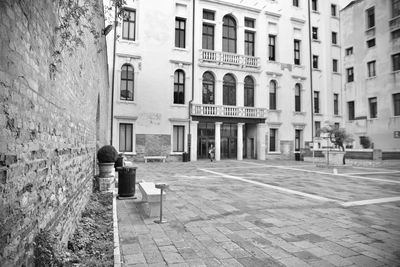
(311, 74)
(191, 100)
(113, 73)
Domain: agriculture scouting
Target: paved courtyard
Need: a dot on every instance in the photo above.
(265, 213)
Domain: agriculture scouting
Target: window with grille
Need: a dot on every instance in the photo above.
(125, 137)
(178, 138)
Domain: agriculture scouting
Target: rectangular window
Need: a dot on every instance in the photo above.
(337, 125)
(396, 104)
(208, 14)
(315, 33)
(370, 17)
(371, 43)
(317, 128)
(125, 137)
(271, 47)
(350, 75)
(128, 25)
(272, 140)
(178, 138)
(333, 10)
(334, 65)
(249, 23)
(371, 69)
(315, 62)
(297, 140)
(373, 107)
(395, 8)
(296, 3)
(334, 37)
(314, 5)
(316, 102)
(249, 43)
(336, 104)
(180, 28)
(349, 51)
(297, 52)
(396, 62)
(208, 36)
(350, 108)
(395, 34)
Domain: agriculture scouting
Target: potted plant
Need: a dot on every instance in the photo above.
(338, 137)
(106, 157)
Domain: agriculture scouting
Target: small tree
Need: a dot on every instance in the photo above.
(337, 136)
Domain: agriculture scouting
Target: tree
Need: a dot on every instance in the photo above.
(338, 136)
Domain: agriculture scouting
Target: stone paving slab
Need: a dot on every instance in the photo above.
(217, 221)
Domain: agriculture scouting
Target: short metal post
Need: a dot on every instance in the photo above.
(161, 187)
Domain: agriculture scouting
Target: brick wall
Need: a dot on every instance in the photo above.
(49, 127)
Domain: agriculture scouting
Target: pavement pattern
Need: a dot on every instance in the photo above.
(265, 213)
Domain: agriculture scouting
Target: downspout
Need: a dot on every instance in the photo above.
(191, 100)
(113, 73)
(311, 74)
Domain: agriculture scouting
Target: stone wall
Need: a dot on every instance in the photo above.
(50, 124)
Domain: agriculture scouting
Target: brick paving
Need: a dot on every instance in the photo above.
(232, 213)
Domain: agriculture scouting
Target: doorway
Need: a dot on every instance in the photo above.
(228, 141)
(205, 137)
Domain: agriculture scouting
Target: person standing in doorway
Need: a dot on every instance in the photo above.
(211, 153)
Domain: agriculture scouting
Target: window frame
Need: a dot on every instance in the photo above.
(125, 135)
(396, 62)
(350, 74)
(208, 36)
(335, 104)
(396, 104)
(333, 10)
(351, 110)
(272, 47)
(316, 101)
(370, 17)
(179, 87)
(126, 82)
(395, 8)
(229, 90)
(315, 61)
(373, 107)
(180, 34)
(297, 48)
(208, 83)
(371, 68)
(371, 43)
(129, 23)
(178, 141)
(272, 140)
(314, 33)
(297, 97)
(296, 3)
(272, 95)
(314, 5)
(335, 65)
(349, 51)
(207, 12)
(334, 38)
(249, 89)
(317, 127)
(227, 39)
(249, 45)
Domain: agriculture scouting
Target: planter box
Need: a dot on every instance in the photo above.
(106, 170)
(106, 184)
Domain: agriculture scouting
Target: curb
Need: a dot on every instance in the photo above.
(117, 251)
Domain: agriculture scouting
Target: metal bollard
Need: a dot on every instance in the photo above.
(161, 187)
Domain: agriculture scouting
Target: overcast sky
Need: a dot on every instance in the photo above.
(343, 3)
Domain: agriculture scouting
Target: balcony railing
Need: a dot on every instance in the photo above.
(228, 111)
(229, 59)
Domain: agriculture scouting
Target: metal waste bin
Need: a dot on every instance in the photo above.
(185, 157)
(126, 181)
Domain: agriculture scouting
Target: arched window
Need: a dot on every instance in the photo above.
(229, 90)
(272, 95)
(297, 97)
(229, 34)
(179, 87)
(127, 78)
(208, 88)
(248, 92)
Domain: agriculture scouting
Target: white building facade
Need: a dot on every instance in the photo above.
(238, 78)
(371, 82)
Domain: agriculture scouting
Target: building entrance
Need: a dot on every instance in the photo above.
(228, 141)
(205, 137)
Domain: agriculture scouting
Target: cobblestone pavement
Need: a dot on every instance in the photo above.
(265, 213)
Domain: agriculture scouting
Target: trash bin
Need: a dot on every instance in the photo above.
(126, 181)
(120, 161)
(185, 157)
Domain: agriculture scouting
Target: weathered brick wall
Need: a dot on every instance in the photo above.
(49, 127)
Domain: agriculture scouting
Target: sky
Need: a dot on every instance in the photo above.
(343, 3)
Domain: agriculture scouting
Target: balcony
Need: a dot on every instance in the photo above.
(224, 58)
(208, 110)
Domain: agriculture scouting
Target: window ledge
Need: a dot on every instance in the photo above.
(126, 102)
(395, 71)
(129, 42)
(371, 78)
(179, 105)
(315, 12)
(298, 66)
(176, 153)
(337, 116)
(336, 73)
(128, 153)
(335, 17)
(181, 49)
(336, 45)
(373, 119)
(274, 153)
(316, 69)
(318, 114)
(275, 110)
(316, 40)
(301, 113)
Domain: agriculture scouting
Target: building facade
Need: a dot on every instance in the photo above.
(234, 74)
(371, 81)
